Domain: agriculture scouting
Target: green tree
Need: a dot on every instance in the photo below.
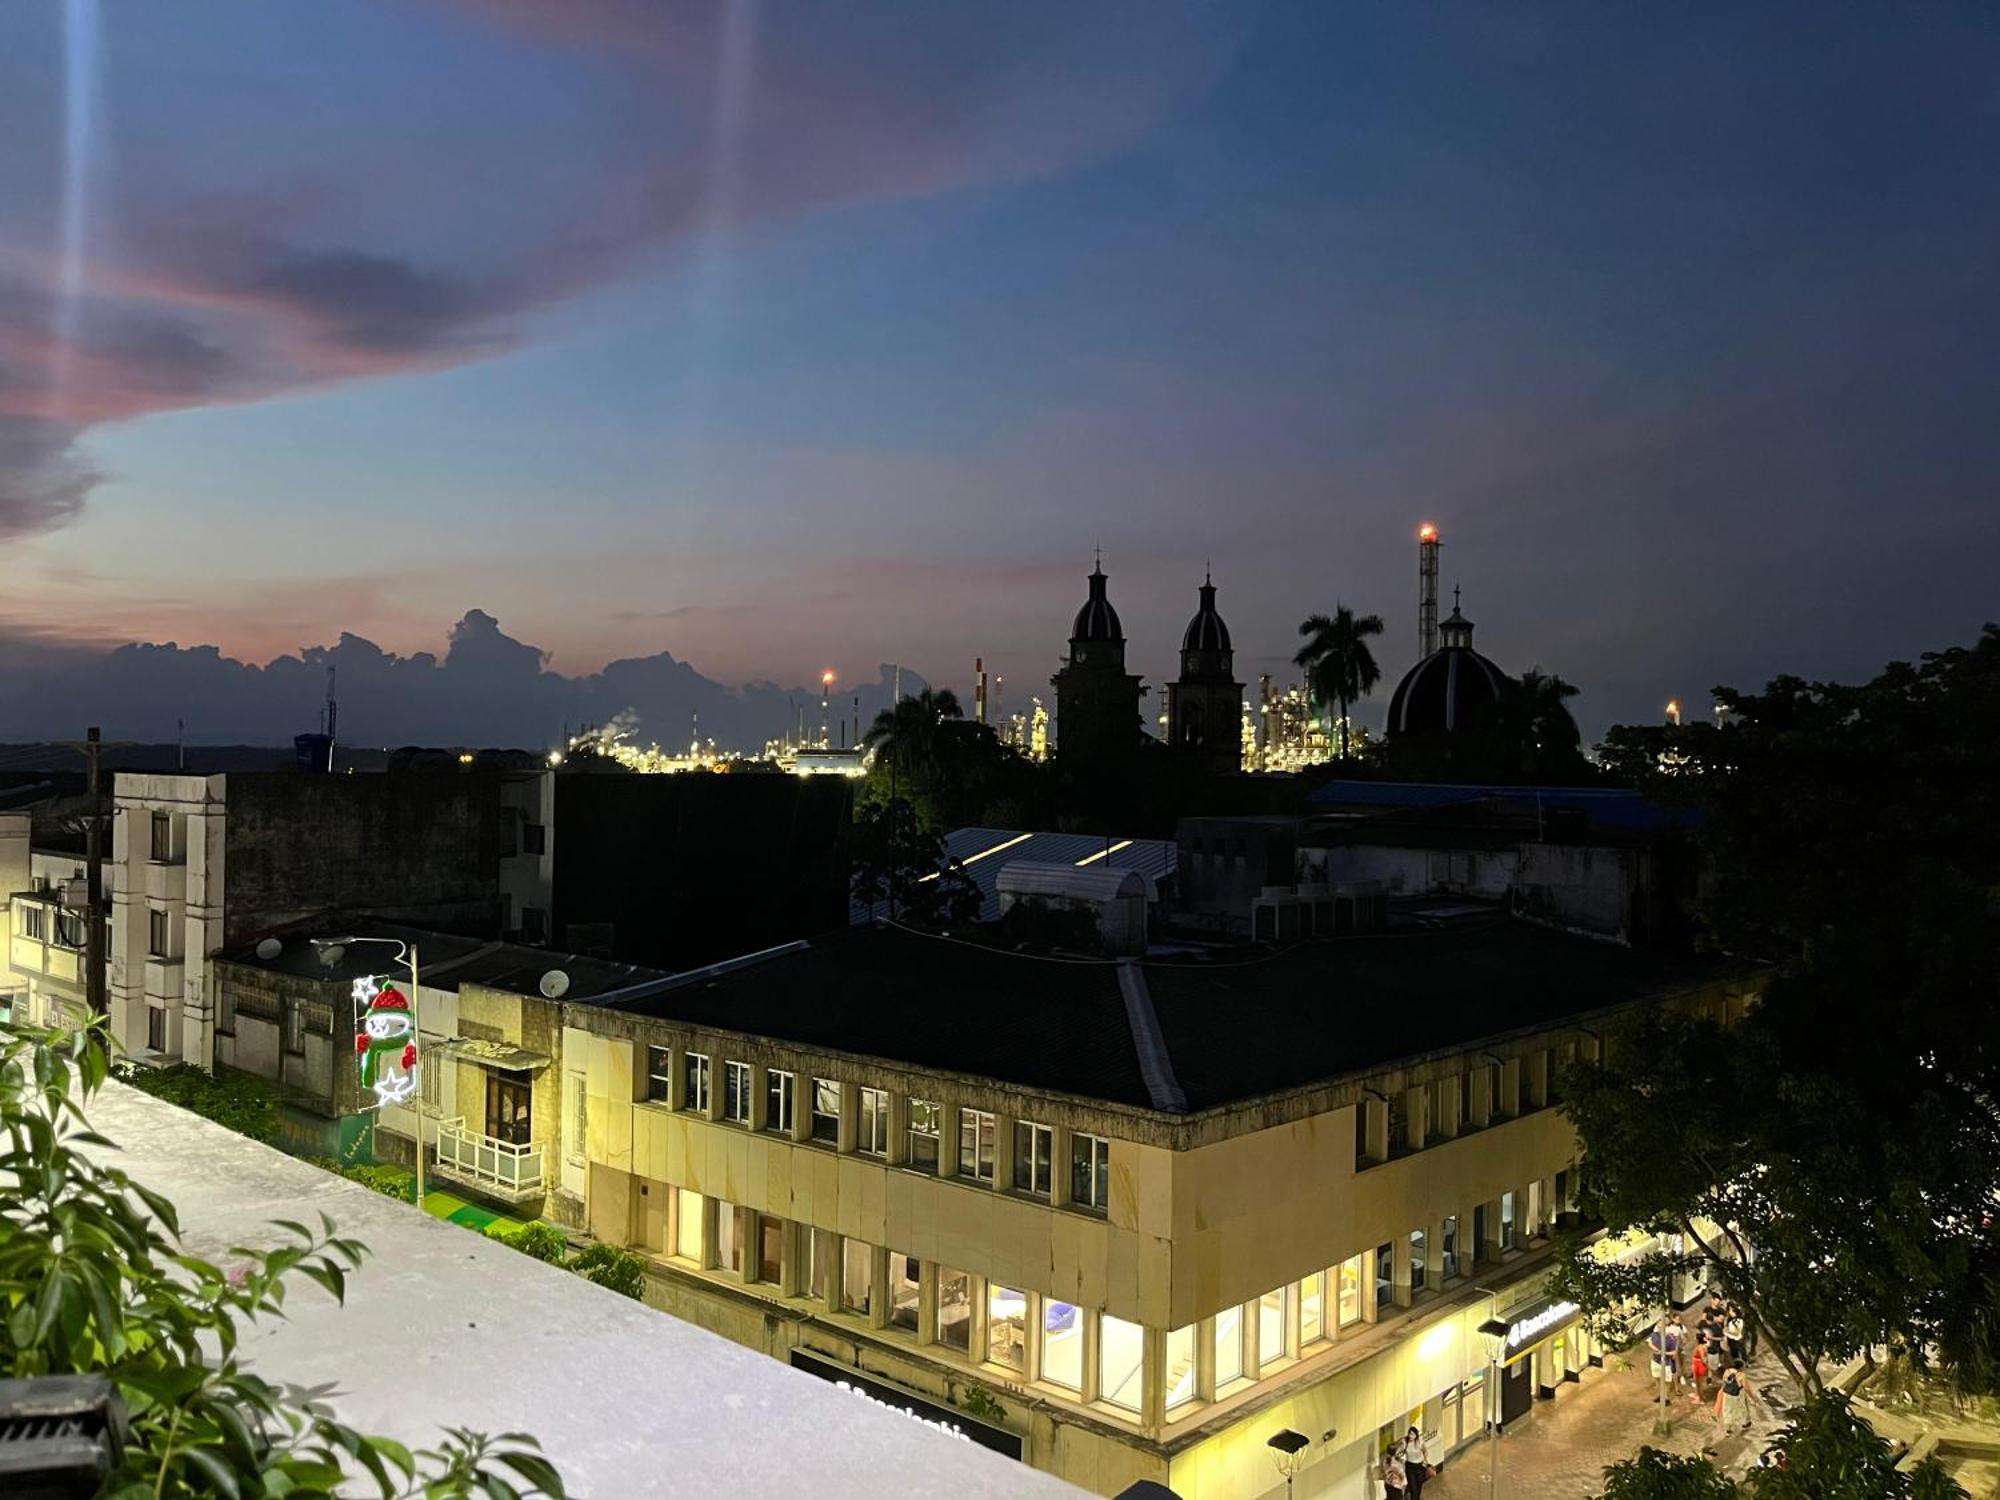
(1340, 669)
(1654, 1475)
(905, 737)
(1540, 718)
(901, 870)
(93, 1281)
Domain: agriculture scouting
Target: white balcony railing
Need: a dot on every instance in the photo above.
(487, 1162)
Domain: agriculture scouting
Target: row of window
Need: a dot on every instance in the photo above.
(40, 922)
(922, 1148)
(1411, 1119)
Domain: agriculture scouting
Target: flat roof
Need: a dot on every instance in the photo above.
(443, 1327)
(1228, 1026)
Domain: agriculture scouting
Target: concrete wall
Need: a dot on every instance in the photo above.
(1585, 887)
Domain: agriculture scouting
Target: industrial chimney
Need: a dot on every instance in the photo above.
(1427, 590)
(979, 690)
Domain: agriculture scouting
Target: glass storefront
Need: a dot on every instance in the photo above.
(1121, 1360)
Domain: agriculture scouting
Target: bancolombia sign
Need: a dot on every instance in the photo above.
(946, 1420)
(1538, 1320)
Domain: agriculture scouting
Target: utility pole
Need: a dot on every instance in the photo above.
(93, 853)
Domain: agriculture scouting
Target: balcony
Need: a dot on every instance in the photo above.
(494, 1168)
(166, 882)
(163, 978)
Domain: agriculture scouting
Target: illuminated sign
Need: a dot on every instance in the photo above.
(943, 1419)
(1531, 1326)
(385, 1040)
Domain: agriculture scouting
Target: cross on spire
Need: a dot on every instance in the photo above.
(1454, 598)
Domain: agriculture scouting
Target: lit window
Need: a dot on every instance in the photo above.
(696, 1097)
(687, 1225)
(857, 1276)
(1180, 1366)
(954, 1319)
(810, 1248)
(770, 1248)
(1121, 1362)
(826, 1111)
(1007, 1327)
(905, 1290)
(31, 922)
(1271, 1327)
(1062, 1344)
(975, 1145)
(1312, 1308)
(1506, 1221)
(1089, 1171)
(1228, 1346)
(1419, 1248)
(1448, 1249)
(1350, 1290)
(872, 1122)
(728, 1237)
(923, 1133)
(1034, 1149)
(1385, 1276)
(659, 1074)
(780, 1089)
(736, 1092)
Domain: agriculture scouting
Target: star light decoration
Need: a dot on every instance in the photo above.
(385, 1040)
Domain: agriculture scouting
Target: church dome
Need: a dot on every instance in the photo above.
(1097, 620)
(1205, 631)
(1449, 689)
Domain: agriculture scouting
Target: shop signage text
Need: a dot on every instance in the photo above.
(1531, 1326)
(943, 1418)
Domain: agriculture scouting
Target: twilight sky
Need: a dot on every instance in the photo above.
(782, 336)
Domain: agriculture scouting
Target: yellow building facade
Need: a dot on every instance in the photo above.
(1110, 1292)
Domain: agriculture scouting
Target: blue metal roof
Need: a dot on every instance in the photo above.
(1608, 806)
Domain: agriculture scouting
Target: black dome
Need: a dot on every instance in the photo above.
(1205, 631)
(1097, 620)
(1449, 689)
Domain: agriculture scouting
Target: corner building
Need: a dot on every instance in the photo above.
(1124, 1220)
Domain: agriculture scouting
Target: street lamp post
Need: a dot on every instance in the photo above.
(1286, 1446)
(1495, 1332)
(330, 951)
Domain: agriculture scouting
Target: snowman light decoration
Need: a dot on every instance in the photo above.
(387, 1041)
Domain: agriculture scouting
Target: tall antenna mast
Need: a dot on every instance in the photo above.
(1427, 589)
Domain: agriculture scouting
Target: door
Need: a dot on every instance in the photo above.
(1517, 1389)
(509, 1109)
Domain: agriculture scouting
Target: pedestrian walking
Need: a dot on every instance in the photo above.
(1732, 1336)
(1700, 1371)
(1395, 1478)
(1732, 1402)
(1417, 1465)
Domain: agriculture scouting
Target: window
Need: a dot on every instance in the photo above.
(1441, 1096)
(1479, 1234)
(1419, 1247)
(1007, 1327)
(510, 1104)
(659, 1074)
(1120, 1362)
(1034, 1146)
(1385, 1276)
(1312, 1309)
(923, 1134)
(770, 1248)
(975, 1145)
(857, 1276)
(905, 1290)
(1465, 1101)
(1506, 1222)
(1062, 1344)
(1090, 1171)
(225, 1019)
(1498, 1106)
(31, 921)
(579, 1115)
(534, 838)
(736, 1092)
(696, 1096)
(780, 1090)
(292, 1031)
(1271, 1327)
(1362, 1154)
(954, 1322)
(69, 928)
(728, 1237)
(872, 1122)
(163, 838)
(1350, 1291)
(1228, 1346)
(156, 932)
(156, 1028)
(826, 1111)
(809, 1249)
(1448, 1248)
(1535, 1225)
(1399, 1122)
(1180, 1367)
(687, 1225)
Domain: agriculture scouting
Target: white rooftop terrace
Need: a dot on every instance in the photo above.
(444, 1327)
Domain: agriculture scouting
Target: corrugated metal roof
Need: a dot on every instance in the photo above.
(986, 851)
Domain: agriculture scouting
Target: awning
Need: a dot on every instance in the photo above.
(502, 1055)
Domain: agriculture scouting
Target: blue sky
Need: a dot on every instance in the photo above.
(784, 336)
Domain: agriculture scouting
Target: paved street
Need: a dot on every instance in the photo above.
(1560, 1452)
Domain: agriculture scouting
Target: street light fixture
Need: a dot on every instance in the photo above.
(1286, 1446)
(1495, 1331)
(331, 951)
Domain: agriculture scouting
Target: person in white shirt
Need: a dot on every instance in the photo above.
(1418, 1465)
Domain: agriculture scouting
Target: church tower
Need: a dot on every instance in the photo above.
(1205, 704)
(1097, 700)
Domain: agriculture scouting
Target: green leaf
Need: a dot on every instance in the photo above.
(220, 1475)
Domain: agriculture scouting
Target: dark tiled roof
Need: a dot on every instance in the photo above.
(1234, 1027)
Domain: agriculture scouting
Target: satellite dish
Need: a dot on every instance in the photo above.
(555, 984)
(269, 949)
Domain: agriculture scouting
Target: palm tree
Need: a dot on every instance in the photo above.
(905, 735)
(1339, 666)
(1547, 729)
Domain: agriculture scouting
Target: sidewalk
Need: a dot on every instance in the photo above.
(1560, 1450)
